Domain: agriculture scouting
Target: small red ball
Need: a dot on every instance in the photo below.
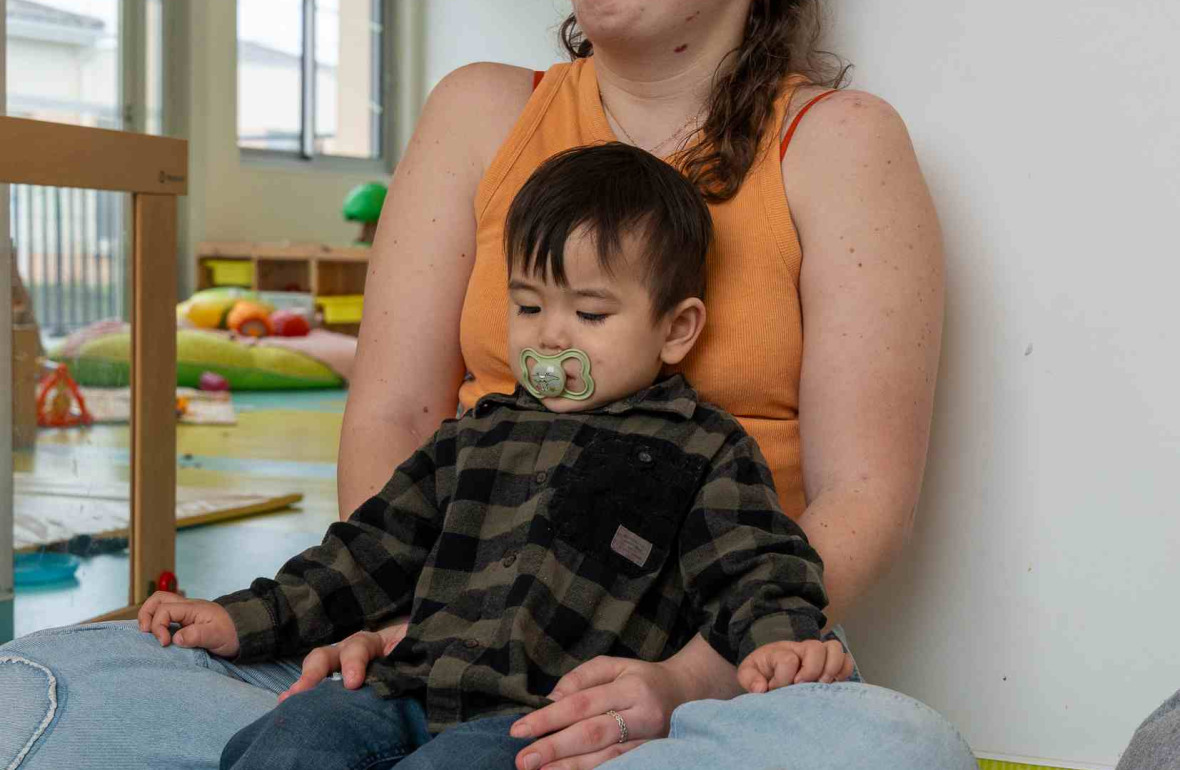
(166, 582)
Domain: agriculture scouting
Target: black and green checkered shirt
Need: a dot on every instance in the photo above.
(523, 543)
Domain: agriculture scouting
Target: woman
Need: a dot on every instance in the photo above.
(842, 414)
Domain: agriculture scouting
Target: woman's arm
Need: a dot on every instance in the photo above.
(872, 293)
(408, 363)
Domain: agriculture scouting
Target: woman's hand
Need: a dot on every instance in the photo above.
(578, 731)
(351, 657)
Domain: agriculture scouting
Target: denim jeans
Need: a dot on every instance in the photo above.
(331, 728)
(107, 696)
(1156, 744)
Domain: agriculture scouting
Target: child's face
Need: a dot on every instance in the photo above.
(608, 317)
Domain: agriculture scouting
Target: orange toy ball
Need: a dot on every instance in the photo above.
(249, 319)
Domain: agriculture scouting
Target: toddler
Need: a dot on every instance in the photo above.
(601, 509)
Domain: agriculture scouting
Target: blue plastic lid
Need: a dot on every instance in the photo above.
(33, 569)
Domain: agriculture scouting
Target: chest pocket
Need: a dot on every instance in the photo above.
(623, 501)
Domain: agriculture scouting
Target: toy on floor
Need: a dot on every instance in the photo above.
(57, 399)
(210, 309)
(289, 323)
(250, 319)
(212, 381)
(166, 581)
(181, 406)
(36, 569)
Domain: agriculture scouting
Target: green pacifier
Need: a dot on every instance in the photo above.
(546, 378)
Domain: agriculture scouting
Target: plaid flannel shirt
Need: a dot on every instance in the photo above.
(524, 542)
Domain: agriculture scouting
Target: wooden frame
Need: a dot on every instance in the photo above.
(154, 170)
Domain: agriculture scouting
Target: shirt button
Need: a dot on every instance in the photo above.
(471, 644)
(645, 456)
(509, 559)
(541, 477)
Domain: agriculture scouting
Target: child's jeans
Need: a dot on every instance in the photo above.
(331, 728)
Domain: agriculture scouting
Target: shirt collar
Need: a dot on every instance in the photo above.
(670, 395)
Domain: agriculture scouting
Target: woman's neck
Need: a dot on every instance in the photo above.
(654, 89)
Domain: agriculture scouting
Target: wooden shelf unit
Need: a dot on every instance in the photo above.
(314, 268)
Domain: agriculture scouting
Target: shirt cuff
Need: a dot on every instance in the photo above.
(780, 627)
(254, 622)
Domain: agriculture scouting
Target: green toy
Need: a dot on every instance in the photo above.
(363, 204)
(546, 378)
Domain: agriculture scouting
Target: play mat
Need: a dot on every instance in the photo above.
(99, 356)
(48, 513)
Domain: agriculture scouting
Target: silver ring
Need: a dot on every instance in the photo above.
(622, 725)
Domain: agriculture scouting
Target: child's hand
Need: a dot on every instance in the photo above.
(205, 624)
(779, 664)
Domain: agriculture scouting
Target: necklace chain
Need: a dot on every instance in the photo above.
(655, 149)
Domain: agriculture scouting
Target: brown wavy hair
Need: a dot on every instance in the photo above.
(782, 38)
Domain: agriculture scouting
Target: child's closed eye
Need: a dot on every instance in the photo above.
(527, 309)
(592, 318)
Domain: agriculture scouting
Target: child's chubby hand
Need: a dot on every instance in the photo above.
(203, 624)
(779, 664)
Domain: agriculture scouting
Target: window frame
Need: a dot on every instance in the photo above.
(306, 158)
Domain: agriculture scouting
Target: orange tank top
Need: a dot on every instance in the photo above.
(748, 358)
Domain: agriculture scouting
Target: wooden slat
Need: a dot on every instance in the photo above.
(60, 155)
(153, 392)
(282, 250)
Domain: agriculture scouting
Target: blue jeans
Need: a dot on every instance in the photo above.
(331, 728)
(107, 696)
(1156, 744)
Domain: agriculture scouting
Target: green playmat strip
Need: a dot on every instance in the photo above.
(995, 764)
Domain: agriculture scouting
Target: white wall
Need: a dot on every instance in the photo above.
(520, 32)
(1037, 605)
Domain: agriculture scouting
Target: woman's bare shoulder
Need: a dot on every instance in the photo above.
(859, 121)
(844, 140)
(482, 102)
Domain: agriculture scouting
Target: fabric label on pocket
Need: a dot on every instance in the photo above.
(630, 546)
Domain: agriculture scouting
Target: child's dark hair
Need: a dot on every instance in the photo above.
(611, 190)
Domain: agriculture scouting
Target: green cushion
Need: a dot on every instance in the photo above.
(104, 362)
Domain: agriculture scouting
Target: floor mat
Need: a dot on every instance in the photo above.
(48, 513)
(113, 405)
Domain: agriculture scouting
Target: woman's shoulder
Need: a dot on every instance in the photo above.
(482, 101)
(858, 121)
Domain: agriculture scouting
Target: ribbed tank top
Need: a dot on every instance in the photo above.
(748, 358)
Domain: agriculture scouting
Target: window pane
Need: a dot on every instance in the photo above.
(154, 67)
(63, 61)
(348, 78)
(270, 74)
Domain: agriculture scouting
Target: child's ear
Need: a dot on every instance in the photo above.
(685, 323)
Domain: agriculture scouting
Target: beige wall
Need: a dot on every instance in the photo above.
(235, 199)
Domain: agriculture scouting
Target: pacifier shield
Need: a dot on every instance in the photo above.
(546, 378)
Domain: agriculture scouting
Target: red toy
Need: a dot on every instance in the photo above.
(212, 381)
(288, 323)
(166, 581)
(59, 412)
